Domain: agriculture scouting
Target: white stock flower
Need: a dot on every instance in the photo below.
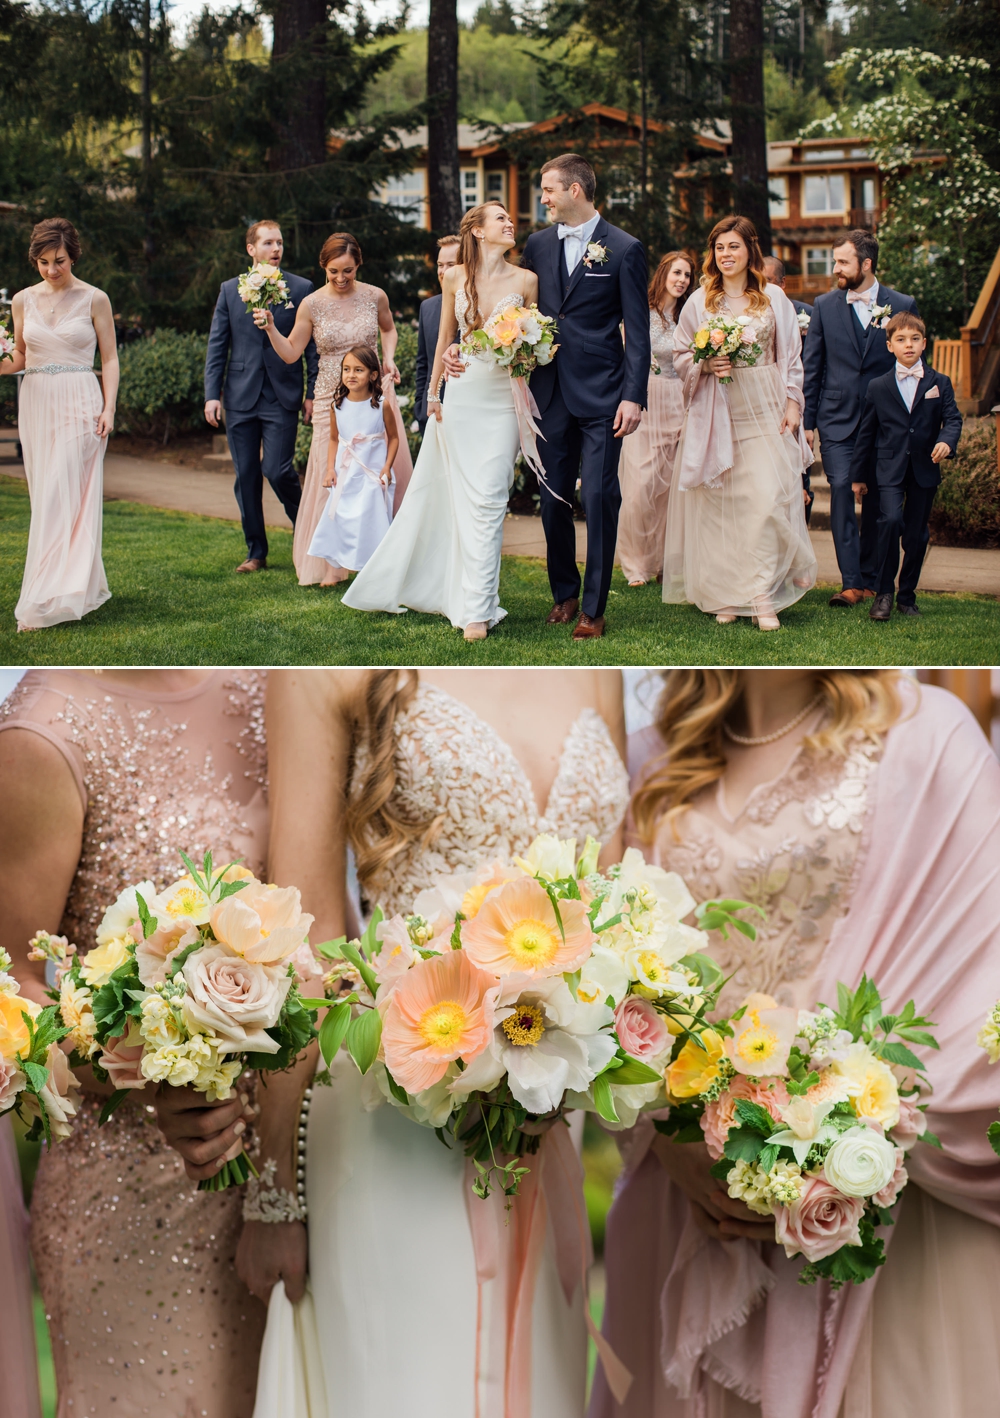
(76, 1007)
(860, 1162)
(124, 912)
(158, 1026)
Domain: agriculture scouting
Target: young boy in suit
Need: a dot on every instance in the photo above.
(911, 423)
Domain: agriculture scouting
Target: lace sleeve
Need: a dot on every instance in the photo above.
(590, 794)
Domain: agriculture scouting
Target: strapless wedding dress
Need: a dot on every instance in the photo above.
(442, 552)
(389, 1327)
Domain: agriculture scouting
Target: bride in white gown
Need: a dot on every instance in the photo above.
(442, 552)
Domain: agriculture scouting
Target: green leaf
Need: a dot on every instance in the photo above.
(899, 1054)
(332, 1031)
(369, 942)
(194, 873)
(755, 1116)
(603, 1100)
(456, 934)
(917, 1036)
(397, 1091)
(691, 1132)
(313, 1003)
(36, 1074)
(743, 1145)
(180, 959)
(932, 1139)
(708, 972)
(364, 1034)
(802, 1085)
(993, 1133)
(745, 928)
(148, 920)
(333, 949)
(768, 1157)
(632, 1072)
(351, 952)
(721, 1169)
(229, 888)
(110, 1104)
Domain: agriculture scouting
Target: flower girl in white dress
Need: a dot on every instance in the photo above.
(363, 443)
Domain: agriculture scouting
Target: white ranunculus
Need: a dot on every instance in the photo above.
(233, 999)
(860, 1162)
(124, 912)
(549, 857)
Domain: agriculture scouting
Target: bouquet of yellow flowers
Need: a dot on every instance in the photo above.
(262, 287)
(732, 335)
(517, 338)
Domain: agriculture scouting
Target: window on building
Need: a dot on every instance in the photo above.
(407, 195)
(496, 187)
(868, 193)
(470, 188)
(541, 213)
(824, 193)
(819, 261)
(824, 154)
(777, 191)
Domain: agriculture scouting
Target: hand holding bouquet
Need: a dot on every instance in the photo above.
(732, 335)
(514, 992)
(810, 1116)
(190, 985)
(262, 287)
(35, 1078)
(517, 339)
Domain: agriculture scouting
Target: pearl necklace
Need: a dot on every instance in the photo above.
(748, 742)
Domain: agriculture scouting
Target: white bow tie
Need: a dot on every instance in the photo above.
(917, 372)
(563, 231)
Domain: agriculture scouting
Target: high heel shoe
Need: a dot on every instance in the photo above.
(722, 619)
(764, 618)
(476, 630)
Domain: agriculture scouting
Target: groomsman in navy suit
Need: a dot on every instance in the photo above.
(844, 350)
(262, 395)
(592, 277)
(428, 324)
(910, 424)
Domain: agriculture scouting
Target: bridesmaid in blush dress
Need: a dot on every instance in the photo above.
(647, 461)
(103, 778)
(64, 425)
(19, 1396)
(343, 314)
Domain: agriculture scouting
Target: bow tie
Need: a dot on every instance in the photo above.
(563, 231)
(917, 372)
(862, 297)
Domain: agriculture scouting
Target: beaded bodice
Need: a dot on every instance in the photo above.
(340, 323)
(455, 771)
(792, 850)
(662, 330)
(462, 313)
(158, 772)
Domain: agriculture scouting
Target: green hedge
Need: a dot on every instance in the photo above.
(967, 507)
(162, 388)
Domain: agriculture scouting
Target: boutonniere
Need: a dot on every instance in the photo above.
(880, 316)
(595, 254)
(803, 317)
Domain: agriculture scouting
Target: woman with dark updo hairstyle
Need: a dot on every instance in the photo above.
(64, 425)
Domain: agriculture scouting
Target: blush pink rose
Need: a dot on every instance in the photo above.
(640, 1029)
(719, 1117)
(122, 1057)
(308, 970)
(234, 999)
(895, 1184)
(12, 1080)
(820, 1222)
(717, 337)
(912, 1124)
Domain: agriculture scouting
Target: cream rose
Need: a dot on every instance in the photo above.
(860, 1163)
(550, 858)
(232, 999)
(887, 1195)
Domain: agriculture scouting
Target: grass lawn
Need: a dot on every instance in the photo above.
(176, 601)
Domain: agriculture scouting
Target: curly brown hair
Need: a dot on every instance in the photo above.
(711, 278)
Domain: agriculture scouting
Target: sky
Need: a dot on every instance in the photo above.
(181, 11)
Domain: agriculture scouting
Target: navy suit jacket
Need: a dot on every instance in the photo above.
(594, 370)
(249, 351)
(902, 437)
(428, 324)
(841, 358)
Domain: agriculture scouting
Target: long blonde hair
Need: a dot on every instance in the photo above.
(375, 831)
(469, 257)
(695, 703)
(711, 279)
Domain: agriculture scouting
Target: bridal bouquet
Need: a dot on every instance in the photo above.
(262, 287)
(190, 985)
(513, 992)
(517, 338)
(810, 1116)
(35, 1078)
(732, 335)
(989, 1039)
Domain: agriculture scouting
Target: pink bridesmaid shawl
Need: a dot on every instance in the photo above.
(18, 1366)
(706, 451)
(924, 922)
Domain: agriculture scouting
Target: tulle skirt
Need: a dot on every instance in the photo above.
(743, 548)
(645, 472)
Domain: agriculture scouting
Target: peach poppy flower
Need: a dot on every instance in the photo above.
(515, 931)
(264, 924)
(439, 1011)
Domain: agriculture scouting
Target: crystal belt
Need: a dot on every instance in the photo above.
(60, 369)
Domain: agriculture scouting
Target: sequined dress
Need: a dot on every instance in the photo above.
(60, 403)
(145, 1310)
(339, 323)
(647, 460)
(391, 1260)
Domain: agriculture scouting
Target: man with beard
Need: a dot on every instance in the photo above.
(845, 349)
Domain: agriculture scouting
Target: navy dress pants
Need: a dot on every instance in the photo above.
(857, 552)
(274, 426)
(583, 448)
(905, 512)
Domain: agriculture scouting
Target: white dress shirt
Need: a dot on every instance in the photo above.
(574, 240)
(907, 381)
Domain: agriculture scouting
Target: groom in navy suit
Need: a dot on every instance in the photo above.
(844, 350)
(262, 395)
(591, 277)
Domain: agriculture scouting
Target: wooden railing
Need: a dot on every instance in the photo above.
(972, 362)
(947, 359)
(807, 287)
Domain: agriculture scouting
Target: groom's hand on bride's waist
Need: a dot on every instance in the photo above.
(453, 366)
(627, 419)
(205, 1134)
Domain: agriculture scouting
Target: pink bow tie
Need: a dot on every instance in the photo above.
(862, 297)
(917, 372)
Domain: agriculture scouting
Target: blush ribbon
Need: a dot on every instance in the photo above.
(526, 410)
(348, 453)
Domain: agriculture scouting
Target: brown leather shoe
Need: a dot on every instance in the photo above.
(252, 564)
(851, 597)
(562, 612)
(588, 627)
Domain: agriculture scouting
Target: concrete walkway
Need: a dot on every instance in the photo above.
(187, 490)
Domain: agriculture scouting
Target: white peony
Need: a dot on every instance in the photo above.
(860, 1163)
